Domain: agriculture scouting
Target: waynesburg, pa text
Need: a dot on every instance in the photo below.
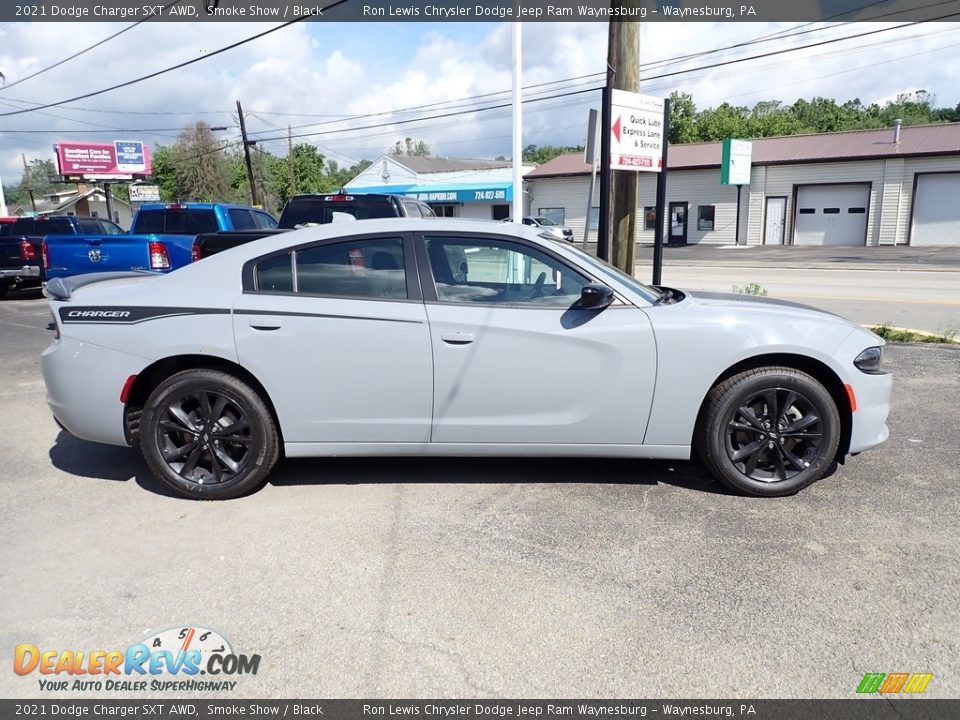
(585, 12)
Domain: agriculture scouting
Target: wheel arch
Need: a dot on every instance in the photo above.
(152, 375)
(817, 369)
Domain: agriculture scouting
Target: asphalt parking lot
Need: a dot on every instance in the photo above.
(478, 578)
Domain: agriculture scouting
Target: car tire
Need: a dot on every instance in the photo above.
(208, 435)
(4, 289)
(769, 432)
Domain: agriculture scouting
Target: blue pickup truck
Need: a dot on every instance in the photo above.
(160, 240)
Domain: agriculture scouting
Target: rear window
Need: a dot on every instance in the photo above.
(321, 211)
(176, 222)
(42, 226)
(242, 219)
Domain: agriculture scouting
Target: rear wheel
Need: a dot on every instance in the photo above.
(4, 289)
(769, 431)
(206, 434)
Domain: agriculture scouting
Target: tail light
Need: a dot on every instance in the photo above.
(27, 251)
(159, 258)
(45, 252)
(195, 253)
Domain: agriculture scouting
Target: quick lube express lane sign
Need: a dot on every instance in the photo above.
(636, 135)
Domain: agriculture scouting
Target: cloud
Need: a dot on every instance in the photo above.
(309, 74)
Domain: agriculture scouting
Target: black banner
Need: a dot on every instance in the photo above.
(579, 11)
(874, 708)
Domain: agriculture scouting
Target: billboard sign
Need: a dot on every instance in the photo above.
(119, 160)
(636, 136)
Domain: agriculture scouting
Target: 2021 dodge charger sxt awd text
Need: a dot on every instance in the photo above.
(451, 337)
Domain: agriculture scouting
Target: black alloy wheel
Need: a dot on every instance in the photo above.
(769, 431)
(207, 434)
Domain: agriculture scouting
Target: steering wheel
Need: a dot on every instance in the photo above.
(537, 291)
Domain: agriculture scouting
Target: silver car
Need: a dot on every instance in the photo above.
(377, 338)
(548, 228)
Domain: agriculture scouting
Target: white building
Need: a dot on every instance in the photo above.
(453, 187)
(865, 187)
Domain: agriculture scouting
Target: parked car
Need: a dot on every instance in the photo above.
(555, 231)
(21, 245)
(160, 240)
(313, 209)
(360, 339)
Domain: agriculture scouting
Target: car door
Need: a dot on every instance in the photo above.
(337, 333)
(517, 361)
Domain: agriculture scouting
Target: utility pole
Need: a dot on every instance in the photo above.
(29, 179)
(246, 155)
(624, 51)
(293, 176)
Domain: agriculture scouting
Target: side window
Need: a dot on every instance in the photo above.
(275, 274)
(412, 209)
(108, 228)
(557, 215)
(242, 219)
(500, 272)
(89, 226)
(372, 269)
(427, 211)
(265, 221)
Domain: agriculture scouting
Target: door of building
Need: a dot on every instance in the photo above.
(678, 222)
(776, 220)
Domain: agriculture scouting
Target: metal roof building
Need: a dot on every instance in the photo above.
(863, 187)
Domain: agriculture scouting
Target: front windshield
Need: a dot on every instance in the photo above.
(648, 293)
(545, 221)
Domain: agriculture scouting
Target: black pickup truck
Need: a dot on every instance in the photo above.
(21, 245)
(305, 210)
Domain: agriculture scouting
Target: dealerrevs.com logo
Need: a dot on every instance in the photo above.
(175, 660)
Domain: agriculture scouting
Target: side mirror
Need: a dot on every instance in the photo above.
(594, 296)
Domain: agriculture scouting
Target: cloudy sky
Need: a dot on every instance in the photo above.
(311, 75)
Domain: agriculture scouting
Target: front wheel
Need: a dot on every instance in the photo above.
(208, 435)
(769, 431)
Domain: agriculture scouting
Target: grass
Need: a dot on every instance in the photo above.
(895, 334)
(750, 289)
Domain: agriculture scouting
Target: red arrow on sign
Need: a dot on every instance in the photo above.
(616, 129)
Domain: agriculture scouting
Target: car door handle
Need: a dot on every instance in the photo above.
(457, 338)
(266, 324)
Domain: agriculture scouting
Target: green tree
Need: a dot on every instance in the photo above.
(201, 166)
(683, 118)
(408, 147)
(545, 153)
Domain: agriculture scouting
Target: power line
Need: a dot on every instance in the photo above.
(85, 50)
(178, 66)
(647, 79)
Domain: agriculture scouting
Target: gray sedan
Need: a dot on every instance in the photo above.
(451, 337)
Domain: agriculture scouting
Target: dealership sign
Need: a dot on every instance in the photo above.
(144, 193)
(736, 161)
(636, 133)
(119, 160)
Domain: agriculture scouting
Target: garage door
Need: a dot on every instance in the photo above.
(936, 212)
(832, 215)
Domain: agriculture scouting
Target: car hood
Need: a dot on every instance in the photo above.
(738, 299)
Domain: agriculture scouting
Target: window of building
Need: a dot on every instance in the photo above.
(856, 211)
(557, 215)
(593, 221)
(831, 211)
(807, 211)
(649, 218)
(444, 210)
(705, 217)
(500, 212)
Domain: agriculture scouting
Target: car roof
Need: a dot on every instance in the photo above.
(197, 206)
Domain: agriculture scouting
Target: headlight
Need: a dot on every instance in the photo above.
(869, 360)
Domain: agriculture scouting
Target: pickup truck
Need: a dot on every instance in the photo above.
(21, 245)
(160, 240)
(314, 209)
